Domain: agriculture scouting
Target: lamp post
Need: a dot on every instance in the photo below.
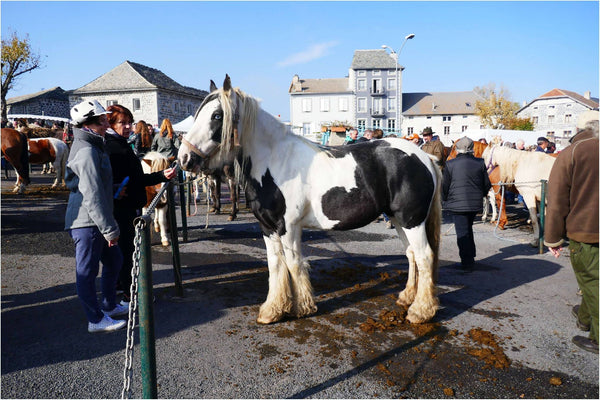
(396, 57)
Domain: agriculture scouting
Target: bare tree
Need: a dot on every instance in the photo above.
(17, 59)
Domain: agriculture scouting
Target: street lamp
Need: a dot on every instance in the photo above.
(396, 57)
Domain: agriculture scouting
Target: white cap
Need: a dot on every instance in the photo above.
(85, 110)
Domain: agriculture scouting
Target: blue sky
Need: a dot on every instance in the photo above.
(528, 48)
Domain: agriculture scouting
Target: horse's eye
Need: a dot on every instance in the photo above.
(217, 116)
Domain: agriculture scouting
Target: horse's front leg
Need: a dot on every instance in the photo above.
(160, 222)
(279, 298)
(531, 204)
(302, 291)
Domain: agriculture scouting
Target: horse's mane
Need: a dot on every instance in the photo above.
(508, 160)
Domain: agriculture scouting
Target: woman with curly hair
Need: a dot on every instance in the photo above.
(143, 139)
(166, 141)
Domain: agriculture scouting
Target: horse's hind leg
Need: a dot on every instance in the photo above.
(160, 224)
(407, 296)
(279, 298)
(425, 303)
(234, 196)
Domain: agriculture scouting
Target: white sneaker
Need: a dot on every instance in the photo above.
(121, 308)
(106, 324)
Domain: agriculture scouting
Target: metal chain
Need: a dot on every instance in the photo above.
(135, 271)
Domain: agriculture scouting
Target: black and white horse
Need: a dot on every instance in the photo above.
(292, 183)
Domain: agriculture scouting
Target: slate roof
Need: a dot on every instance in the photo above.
(134, 76)
(439, 103)
(326, 85)
(373, 59)
(592, 103)
(56, 93)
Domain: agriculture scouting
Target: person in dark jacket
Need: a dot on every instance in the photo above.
(129, 202)
(465, 183)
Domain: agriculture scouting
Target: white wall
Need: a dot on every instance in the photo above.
(316, 117)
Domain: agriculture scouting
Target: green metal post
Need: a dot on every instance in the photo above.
(174, 242)
(188, 187)
(146, 318)
(182, 200)
(542, 215)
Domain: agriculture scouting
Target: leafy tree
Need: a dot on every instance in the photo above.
(495, 110)
(17, 59)
(520, 124)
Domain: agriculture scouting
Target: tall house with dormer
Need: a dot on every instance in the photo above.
(376, 81)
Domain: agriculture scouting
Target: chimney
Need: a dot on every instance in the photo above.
(588, 95)
(524, 103)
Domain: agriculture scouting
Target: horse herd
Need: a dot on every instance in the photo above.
(291, 183)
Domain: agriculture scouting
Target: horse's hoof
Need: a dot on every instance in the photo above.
(165, 243)
(266, 320)
(535, 243)
(231, 218)
(405, 299)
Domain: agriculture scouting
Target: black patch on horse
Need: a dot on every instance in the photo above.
(265, 200)
(387, 180)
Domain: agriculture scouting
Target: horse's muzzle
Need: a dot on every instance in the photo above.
(190, 161)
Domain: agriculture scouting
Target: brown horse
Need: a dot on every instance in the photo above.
(494, 176)
(14, 148)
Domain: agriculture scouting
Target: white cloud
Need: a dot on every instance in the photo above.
(312, 53)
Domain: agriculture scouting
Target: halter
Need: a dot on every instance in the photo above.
(490, 167)
(197, 151)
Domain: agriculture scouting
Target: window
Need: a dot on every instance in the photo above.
(464, 128)
(306, 105)
(361, 124)
(534, 120)
(391, 83)
(176, 106)
(550, 106)
(362, 73)
(377, 86)
(376, 72)
(391, 124)
(446, 118)
(306, 128)
(566, 134)
(362, 85)
(361, 105)
(111, 103)
(429, 117)
(136, 105)
(391, 104)
(343, 104)
(550, 119)
(446, 130)
(377, 105)
(568, 117)
(324, 104)
(189, 108)
(410, 130)
(376, 124)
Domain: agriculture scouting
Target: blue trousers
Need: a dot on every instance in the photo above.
(463, 224)
(91, 248)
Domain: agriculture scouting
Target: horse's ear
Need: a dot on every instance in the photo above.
(227, 83)
(213, 86)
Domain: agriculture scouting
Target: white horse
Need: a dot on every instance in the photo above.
(525, 170)
(292, 183)
(50, 150)
(154, 162)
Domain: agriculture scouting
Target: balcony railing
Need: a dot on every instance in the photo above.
(377, 112)
(377, 92)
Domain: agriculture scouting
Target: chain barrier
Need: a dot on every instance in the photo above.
(140, 225)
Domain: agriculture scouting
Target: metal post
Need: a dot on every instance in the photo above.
(542, 215)
(146, 306)
(174, 241)
(183, 201)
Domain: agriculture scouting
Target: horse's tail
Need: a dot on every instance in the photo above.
(24, 157)
(434, 222)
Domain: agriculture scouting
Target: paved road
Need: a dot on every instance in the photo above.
(503, 331)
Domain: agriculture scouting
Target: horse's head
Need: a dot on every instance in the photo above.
(214, 135)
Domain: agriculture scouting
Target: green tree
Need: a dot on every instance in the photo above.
(520, 124)
(17, 58)
(495, 110)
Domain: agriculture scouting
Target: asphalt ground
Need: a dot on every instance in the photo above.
(503, 331)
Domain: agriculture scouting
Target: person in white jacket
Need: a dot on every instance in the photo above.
(89, 217)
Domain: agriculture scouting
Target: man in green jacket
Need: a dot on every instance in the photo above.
(573, 212)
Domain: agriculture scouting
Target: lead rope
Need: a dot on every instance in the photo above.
(135, 271)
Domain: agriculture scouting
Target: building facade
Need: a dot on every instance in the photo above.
(370, 97)
(147, 92)
(556, 112)
(52, 102)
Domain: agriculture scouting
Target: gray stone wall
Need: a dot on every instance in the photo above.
(50, 107)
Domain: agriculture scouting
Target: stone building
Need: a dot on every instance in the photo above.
(556, 113)
(150, 94)
(52, 102)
